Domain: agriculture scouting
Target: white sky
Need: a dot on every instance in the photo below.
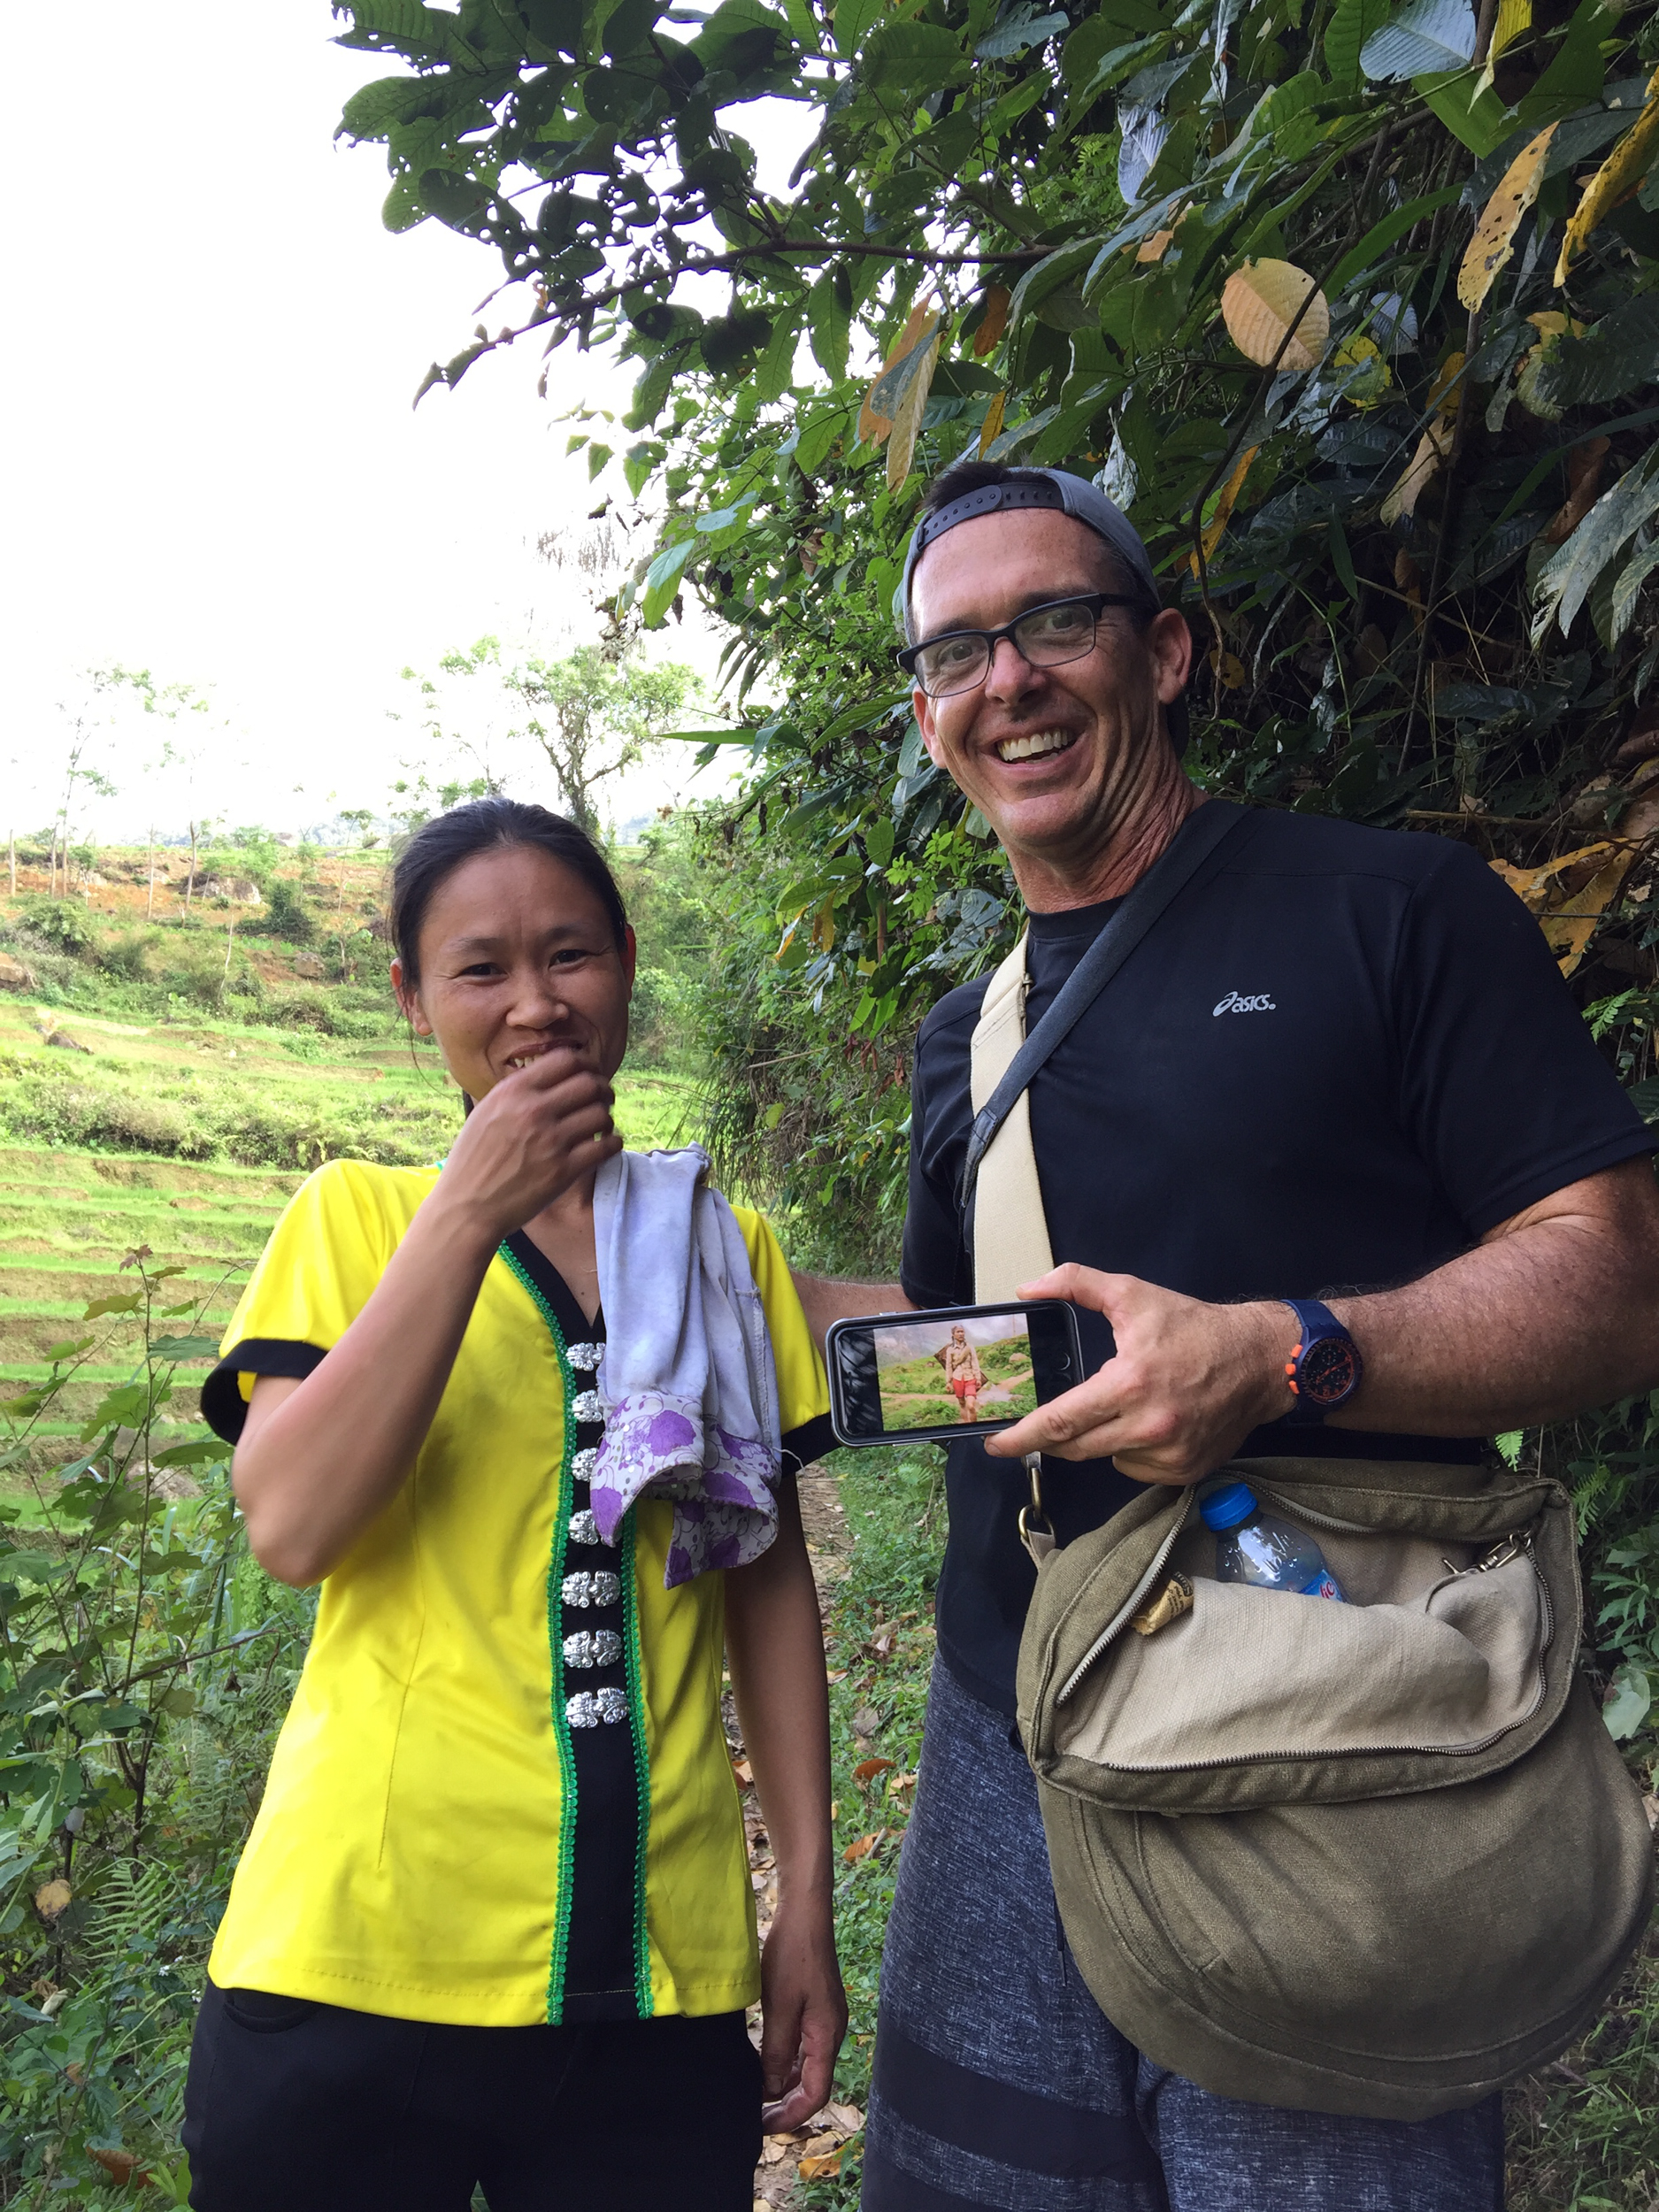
(211, 468)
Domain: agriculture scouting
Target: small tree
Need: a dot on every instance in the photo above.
(590, 715)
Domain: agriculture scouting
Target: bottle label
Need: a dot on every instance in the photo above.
(1324, 1585)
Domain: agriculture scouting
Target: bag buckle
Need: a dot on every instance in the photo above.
(1507, 1547)
(1036, 1530)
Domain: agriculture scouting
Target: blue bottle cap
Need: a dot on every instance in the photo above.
(1225, 1507)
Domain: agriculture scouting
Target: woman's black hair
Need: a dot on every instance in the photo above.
(440, 846)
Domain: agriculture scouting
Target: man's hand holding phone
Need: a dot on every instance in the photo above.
(1187, 1383)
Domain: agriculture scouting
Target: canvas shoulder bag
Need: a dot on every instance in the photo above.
(1374, 1858)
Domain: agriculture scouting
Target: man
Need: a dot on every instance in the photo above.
(1343, 1066)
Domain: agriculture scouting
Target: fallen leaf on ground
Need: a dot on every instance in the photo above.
(866, 1720)
(820, 2168)
(848, 2118)
(867, 1769)
(744, 1773)
(861, 1847)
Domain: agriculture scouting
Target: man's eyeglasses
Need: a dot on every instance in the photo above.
(1047, 636)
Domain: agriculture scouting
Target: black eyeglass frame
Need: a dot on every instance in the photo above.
(1096, 601)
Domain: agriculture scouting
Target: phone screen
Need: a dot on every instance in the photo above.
(932, 1372)
(935, 1374)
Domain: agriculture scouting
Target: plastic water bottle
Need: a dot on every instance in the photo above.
(1255, 1548)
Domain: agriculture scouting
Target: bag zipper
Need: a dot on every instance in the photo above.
(1131, 1604)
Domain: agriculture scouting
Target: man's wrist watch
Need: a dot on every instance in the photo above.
(1324, 1370)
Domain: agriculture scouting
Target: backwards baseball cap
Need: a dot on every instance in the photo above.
(1054, 488)
(1061, 492)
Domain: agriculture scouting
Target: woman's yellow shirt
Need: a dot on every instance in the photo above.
(412, 1853)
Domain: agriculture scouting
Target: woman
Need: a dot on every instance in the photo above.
(963, 1373)
(495, 1925)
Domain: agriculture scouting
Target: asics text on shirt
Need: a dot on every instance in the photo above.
(1235, 1002)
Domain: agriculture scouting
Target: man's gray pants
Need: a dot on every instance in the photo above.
(1000, 2082)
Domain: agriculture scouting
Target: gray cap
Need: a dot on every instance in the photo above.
(1062, 493)
(1057, 489)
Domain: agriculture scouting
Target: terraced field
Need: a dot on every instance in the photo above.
(69, 1216)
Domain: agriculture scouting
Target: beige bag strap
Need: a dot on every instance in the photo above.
(1010, 1230)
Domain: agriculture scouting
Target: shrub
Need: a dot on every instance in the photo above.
(60, 923)
(286, 914)
(126, 954)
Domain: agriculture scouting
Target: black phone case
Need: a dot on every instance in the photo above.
(848, 1431)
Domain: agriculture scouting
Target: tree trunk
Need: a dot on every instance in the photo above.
(150, 899)
(189, 887)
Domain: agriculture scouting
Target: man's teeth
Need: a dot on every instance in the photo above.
(1040, 742)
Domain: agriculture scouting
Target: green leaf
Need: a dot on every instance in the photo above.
(184, 1347)
(1627, 1706)
(901, 56)
(829, 319)
(118, 1301)
(405, 207)
(879, 841)
(661, 580)
(597, 456)
(1050, 274)
(776, 366)
(852, 20)
(1622, 603)
(1380, 236)
(67, 1348)
(1018, 36)
(1565, 580)
(370, 111)
(199, 1454)
(1352, 23)
(1470, 110)
(1619, 353)
(1423, 36)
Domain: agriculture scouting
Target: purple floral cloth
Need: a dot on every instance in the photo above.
(688, 1382)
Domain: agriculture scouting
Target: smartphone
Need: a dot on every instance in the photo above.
(960, 1371)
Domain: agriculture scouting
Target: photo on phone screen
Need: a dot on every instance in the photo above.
(932, 1374)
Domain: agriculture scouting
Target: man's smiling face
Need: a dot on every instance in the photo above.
(1057, 759)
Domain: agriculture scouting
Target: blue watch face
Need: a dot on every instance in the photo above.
(1327, 1370)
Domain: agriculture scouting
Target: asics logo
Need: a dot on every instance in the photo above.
(1235, 1002)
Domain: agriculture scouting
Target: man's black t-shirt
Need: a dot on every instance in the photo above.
(1335, 1062)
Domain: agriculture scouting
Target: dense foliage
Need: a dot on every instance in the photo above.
(144, 1665)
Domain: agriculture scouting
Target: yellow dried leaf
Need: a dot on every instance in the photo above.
(1432, 447)
(1444, 393)
(1154, 248)
(1226, 500)
(873, 427)
(1514, 16)
(1615, 181)
(1569, 894)
(1229, 669)
(908, 422)
(861, 1847)
(1493, 240)
(821, 2168)
(994, 321)
(1260, 303)
(51, 1898)
(993, 414)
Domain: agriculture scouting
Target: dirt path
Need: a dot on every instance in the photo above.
(827, 1544)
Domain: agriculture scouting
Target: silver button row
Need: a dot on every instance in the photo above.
(583, 1462)
(583, 1590)
(589, 1708)
(585, 1530)
(593, 1648)
(585, 1406)
(585, 1357)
